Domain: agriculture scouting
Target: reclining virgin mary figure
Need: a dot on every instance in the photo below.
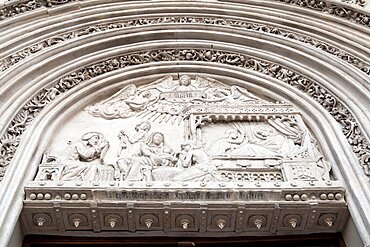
(86, 160)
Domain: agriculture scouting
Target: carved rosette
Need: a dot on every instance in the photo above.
(327, 220)
(292, 221)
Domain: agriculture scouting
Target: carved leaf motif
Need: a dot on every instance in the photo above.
(361, 3)
(19, 122)
(70, 81)
(13, 59)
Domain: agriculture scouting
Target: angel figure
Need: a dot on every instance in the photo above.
(123, 104)
(140, 136)
(185, 84)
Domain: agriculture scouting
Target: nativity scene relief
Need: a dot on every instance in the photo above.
(185, 130)
(185, 153)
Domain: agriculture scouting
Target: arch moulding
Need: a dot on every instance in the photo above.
(306, 61)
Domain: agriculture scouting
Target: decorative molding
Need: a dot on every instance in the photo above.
(361, 3)
(340, 11)
(15, 58)
(331, 8)
(320, 5)
(350, 128)
(19, 8)
(27, 6)
(199, 213)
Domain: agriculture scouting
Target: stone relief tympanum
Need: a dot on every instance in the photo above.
(184, 155)
(190, 130)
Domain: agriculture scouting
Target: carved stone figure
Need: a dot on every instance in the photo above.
(268, 143)
(243, 133)
(323, 165)
(132, 144)
(233, 94)
(185, 84)
(231, 140)
(253, 150)
(92, 146)
(152, 154)
(196, 163)
(123, 104)
(168, 99)
(86, 159)
(274, 141)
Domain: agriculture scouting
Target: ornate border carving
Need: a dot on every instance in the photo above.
(333, 9)
(10, 140)
(319, 5)
(361, 3)
(27, 6)
(13, 59)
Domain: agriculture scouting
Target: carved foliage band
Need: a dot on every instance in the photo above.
(13, 59)
(10, 140)
(26, 6)
(361, 3)
(320, 5)
(327, 6)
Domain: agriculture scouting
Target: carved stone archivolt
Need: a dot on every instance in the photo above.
(326, 47)
(185, 145)
(361, 3)
(27, 6)
(135, 100)
(185, 155)
(344, 11)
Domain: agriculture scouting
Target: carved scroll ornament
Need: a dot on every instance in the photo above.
(358, 63)
(319, 5)
(28, 5)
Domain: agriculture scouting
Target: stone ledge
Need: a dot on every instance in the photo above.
(153, 211)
